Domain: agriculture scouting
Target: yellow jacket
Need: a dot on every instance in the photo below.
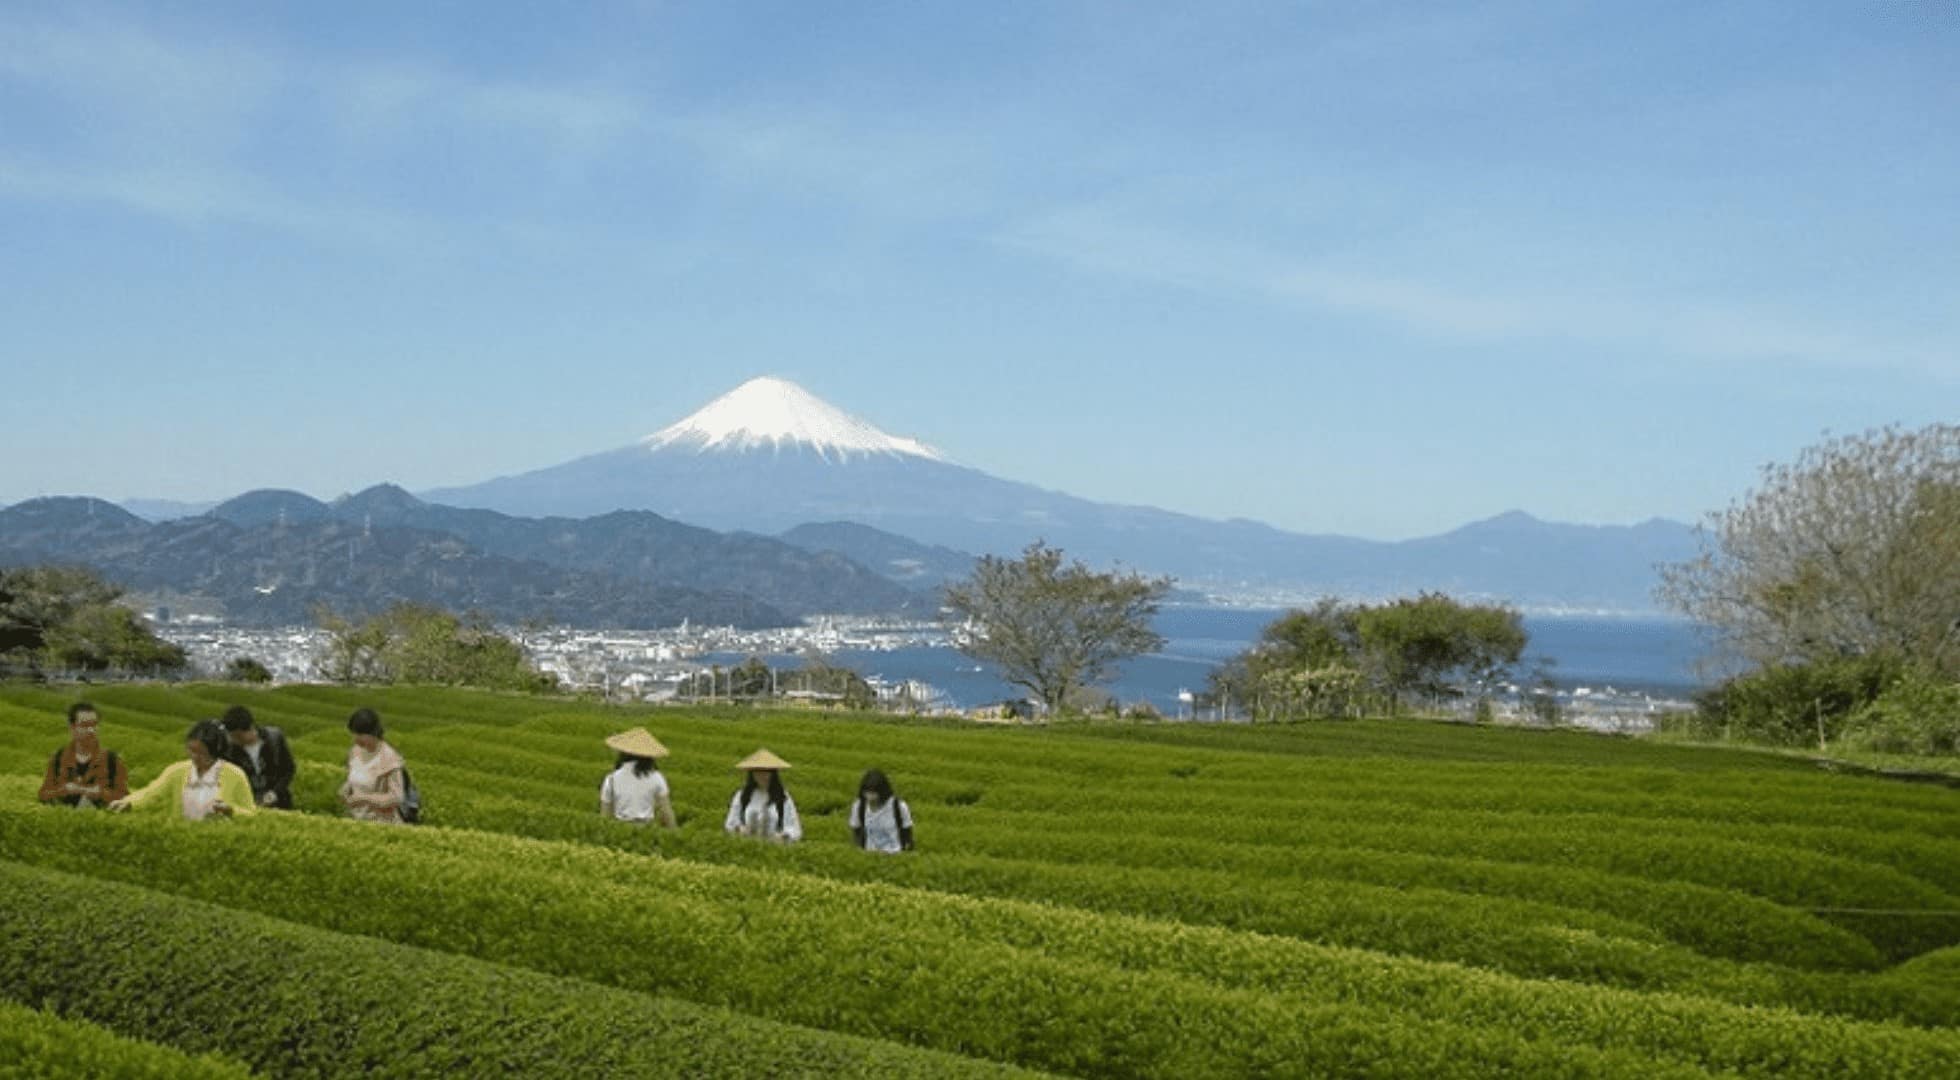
(167, 790)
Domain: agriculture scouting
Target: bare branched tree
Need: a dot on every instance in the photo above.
(1054, 628)
(1852, 550)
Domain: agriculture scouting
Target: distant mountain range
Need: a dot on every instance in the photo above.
(272, 557)
(768, 456)
(793, 507)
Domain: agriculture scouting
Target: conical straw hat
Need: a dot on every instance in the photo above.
(762, 759)
(638, 742)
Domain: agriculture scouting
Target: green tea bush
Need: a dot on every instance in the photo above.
(1062, 990)
(296, 1001)
(37, 1045)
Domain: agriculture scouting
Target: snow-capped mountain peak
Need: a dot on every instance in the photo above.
(775, 413)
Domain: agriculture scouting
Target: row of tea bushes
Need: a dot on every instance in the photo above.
(1063, 990)
(297, 1001)
(38, 1045)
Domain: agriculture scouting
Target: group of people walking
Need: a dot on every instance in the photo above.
(636, 791)
(232, 766)
(236, 766)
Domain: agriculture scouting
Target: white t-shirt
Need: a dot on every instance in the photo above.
(200, 791)
(631, 796)
(760, 820)
(881, 823)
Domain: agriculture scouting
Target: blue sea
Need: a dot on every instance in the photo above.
(1652, 655)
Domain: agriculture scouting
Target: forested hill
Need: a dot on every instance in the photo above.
(277, 562)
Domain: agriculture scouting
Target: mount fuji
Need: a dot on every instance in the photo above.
(769, 456)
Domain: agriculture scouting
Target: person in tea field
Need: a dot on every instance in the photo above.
(264, 756)
(82, 774)
(635, 790)
(203, 785)
(880, 820)
(377, 778)
(762, 808)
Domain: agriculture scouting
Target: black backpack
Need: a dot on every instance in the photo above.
(410, 809)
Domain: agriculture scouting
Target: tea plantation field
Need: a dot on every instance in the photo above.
(1339, 899)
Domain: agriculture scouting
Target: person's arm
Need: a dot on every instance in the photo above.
(235, 788)
(118, 771)
(663, 808)
(792, 830)
(606, 797)
(52, 785)
(734, 822)
(857, 822)
(169, 781)
(389, 793)
(280, 768)
(903, 815)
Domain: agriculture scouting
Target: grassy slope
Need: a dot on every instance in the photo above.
(1654, 873)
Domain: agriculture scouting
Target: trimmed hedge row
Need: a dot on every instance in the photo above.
(1727, 927)
(298, 1001)
(1025, 983)
(760, 943)
(37, 1045)
(1070, 839)
(1528, 939)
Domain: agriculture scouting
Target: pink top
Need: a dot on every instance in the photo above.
(376, 776)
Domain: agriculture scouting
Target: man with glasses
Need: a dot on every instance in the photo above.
(82, 774)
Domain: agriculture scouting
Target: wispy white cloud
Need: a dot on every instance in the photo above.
(1585, 313)
(179, 127)
(231, 128)
(404, 100)
(196, 198)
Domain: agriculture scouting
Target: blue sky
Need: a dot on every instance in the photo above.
(1346, 267)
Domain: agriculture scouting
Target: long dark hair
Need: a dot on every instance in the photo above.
(641, 765)
(211, 734)
(776, 794)
(874, 782)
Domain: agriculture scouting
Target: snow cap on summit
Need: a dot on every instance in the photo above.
(772, 412)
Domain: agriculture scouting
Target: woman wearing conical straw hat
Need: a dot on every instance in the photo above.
(635, 790)
(762, 808)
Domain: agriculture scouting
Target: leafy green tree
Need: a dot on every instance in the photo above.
(749, 679)
(1338, 659)
(1434, 646)
(354, 650)
(68, 617)
(1852, 550)
(416, 643)
(1305, 663)
(836, 682)
(1052, 627)
(245, 669)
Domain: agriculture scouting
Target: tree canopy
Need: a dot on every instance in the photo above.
(416, 643)
(68, 618)
(1337, 658)
(1852, 550)
(1054, 627)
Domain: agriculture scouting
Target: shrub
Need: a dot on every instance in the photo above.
(292, 1000)
(1918, 714)
(245, 669)
(44, 1046)
(1795, 704)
